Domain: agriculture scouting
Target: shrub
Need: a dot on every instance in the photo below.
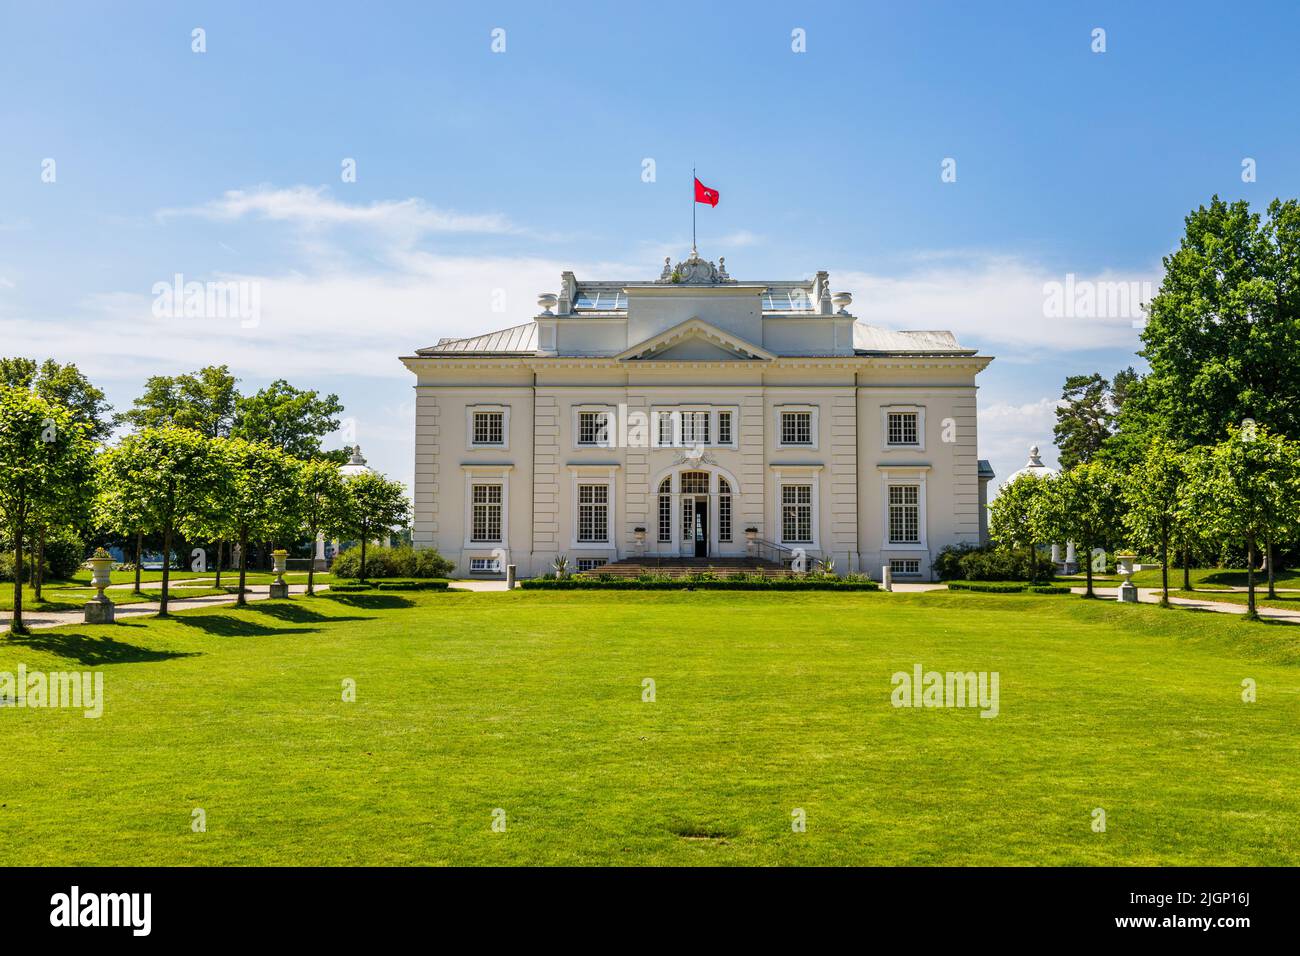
(1006, 587)
(969, 563)
(64, 554)
(399, 562)
(348, 587)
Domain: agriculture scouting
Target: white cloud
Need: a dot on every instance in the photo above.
(989, 300)
(1006, 431)
(312, 206)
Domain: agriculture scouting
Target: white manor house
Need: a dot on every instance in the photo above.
(697, 416)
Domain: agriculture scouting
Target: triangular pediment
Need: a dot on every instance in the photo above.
(696, 341)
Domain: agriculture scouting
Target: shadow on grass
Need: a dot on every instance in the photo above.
(372, 602)
(224, 625)
(95, 650)
(300, 615)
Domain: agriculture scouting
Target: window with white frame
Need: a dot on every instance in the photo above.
(796, 514)
(489, 428)
(590, 564)
(695, 426)
(904, 514)
(594, 428)
(902, 429)
(796, 428)
(484, 566)
(485, 512)
(724, 510)
(593, 512)
(905, 566)
(666, 510)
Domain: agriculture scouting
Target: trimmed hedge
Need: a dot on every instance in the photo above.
(1005, 587)
(348, 587)
(632, 584)
(400, 562)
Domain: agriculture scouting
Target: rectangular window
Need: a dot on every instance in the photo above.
(796, 514)
(695, 428)
(905, 566)
(590, 564)
(484, 566)
(665, 428)
(724, 428)
(594, 428)
(724, 517)
(796, 428)
(904, 514)
(485, 518)
(902, 428)
(593, 512)
(489, 428)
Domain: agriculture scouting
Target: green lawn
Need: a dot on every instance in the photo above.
(532, 702)
(1285, 600)
(1208, 578)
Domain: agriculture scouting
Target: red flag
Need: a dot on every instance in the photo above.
(704, 194)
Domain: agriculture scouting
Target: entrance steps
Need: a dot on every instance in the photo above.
(681, 567)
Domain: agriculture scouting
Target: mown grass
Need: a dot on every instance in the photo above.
(764, 703)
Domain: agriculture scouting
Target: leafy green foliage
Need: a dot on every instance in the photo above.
(399, 562)
(374, 507)
(971, 563)
(288, 418)
(62, 385)
(1083, 505)
(203, 401)
(1223, 335)
(47, 460)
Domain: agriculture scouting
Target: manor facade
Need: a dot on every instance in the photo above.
(701, 416)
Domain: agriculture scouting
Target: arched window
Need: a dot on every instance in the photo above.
(724, 509)
(666, 509)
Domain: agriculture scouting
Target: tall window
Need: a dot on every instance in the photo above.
(593, 512)
(593, 428)
(904, 514)
(485, 517)
(666, 510)
(902, 428)
(695, 428)
(489, 428)
(724, 510)
(796, 514)
(724, 428)
(796, 428)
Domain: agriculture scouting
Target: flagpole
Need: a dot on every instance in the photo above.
(693, 252)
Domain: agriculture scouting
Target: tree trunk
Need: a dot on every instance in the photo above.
(1251, 612)
(243, 564)
(220, 546)
(16, 626)
(1187, 568)
(363, 558)
(1269, 556)
(1164, 567)
(38, 570)
(166, 569)
(1087, 550)
(311, 568)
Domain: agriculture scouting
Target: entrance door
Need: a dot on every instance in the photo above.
(701, 527)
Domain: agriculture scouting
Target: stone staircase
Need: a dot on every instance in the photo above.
(680, 567)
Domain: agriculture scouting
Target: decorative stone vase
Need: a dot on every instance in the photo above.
(751, 539)
(279, 587)
(638, 535)
(1128, 594)
(99, 609)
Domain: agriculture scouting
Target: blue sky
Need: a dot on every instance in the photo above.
(481, 175)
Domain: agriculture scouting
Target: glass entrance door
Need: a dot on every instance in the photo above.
(701, 527)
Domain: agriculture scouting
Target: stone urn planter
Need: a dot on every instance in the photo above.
(751, 540)
(99, 609)
(279, 587)
(638, 536)
(1128, 594)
